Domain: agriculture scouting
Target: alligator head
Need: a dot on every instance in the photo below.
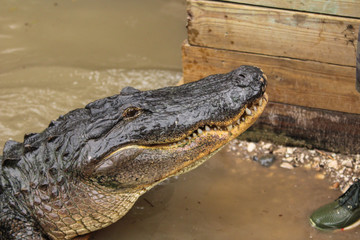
(87, 169)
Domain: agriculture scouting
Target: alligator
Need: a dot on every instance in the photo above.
(88, 167)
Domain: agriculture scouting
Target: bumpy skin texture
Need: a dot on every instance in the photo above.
(87, 169)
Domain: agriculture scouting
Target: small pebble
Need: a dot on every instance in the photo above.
(347, 163)
(251, 147)
(307, 166)
(288, 159)
(320, 176)
(267, 145)
(290, 150)
(280, 150)
(266, 160)
(287, 165)
(333, 164)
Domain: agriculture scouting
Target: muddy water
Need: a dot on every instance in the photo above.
(91, 34)
(59, 55)
(229, 198)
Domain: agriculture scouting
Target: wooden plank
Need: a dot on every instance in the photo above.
(314, 128)
(349, 8)
(273, 32)
(291, 81)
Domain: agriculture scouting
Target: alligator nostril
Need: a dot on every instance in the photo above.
(241, 75)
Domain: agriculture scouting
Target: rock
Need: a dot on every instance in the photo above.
(320, 176)
(335, 185)
(251, 147)
(301, 158)
(347, 163)
(267, 145)
(333, 164)
(290, 150)
(266, 160)
(307, 166)
(280, 150)
(288, 159)
(287, 165)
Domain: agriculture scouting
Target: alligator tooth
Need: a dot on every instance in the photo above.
(260, 101)
(255, 109)
(199, 131)
(264, 76)
(248, 111)
(238, 121)
(207, 128)
(229, 128)
(189, 137)
(243, 119)
(194, 135)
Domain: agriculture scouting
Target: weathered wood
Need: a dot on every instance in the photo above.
(274, 32)
(349, 8)
(315, 128)
(303, 83)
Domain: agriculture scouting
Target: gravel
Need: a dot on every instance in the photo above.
(340, 169)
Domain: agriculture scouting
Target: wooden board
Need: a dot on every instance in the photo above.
(315, 128)
(274, 32)
(297, 82)
(349, 8)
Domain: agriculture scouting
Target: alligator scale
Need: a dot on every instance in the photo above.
(87, 169)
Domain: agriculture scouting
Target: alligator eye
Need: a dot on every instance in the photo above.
(131, 112)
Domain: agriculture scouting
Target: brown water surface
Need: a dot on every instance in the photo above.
(59, 55)
(92, 34)
(229, 198)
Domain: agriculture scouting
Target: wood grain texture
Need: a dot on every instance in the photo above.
(349, 8)
(273, 32)
(322, 129)
(290, 81)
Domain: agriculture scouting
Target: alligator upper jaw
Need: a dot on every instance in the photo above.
(234, 127)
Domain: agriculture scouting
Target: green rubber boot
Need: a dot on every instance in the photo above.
(342, 214)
